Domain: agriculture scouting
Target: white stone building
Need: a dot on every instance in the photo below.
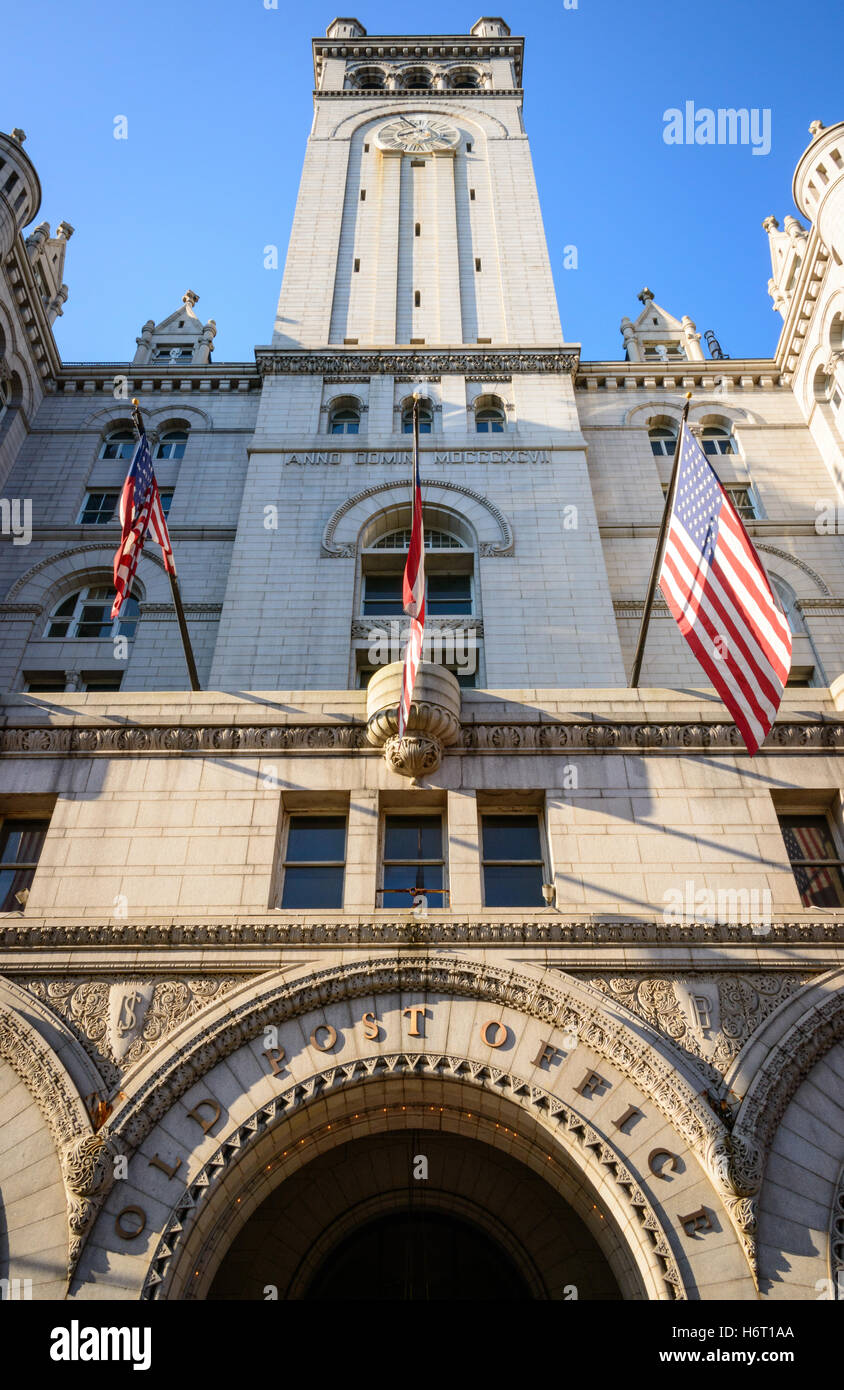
(287, 1004)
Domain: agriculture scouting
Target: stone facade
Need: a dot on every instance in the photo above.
(652, 1050)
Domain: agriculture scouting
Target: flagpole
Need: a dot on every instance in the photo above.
(137, 421)
(660, 547)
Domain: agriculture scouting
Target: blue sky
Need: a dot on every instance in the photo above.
(218, 100)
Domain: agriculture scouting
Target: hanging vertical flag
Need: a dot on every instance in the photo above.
(413, 586)
(141, 514)
(717, 590)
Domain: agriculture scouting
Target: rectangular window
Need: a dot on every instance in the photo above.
(477, 262)
(349, 342)
(363, 195)
(413, 860)
(417, 342)
(815, 861)
(366, 149)
(468, 147)
(742, 500)
(484, 340)
(44, 682)
(471, 195)
(417, 298)
(446, 594)
(99, 508)
(417, 163)
(93, 681)
(512, 861)
(314, 863)
(357, 264)
(21, 843)
(418, 231)
(166, 498)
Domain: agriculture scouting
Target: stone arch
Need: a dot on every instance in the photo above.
(345, 525)
(488, 125)
(794, 560)
(715, 411)
(44, 581)
(63, 1164)
(223, 1056)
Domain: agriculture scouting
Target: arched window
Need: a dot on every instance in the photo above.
(172, 445)
(344, 418)
(663, 440)
(369, 79)
(426, 418)
(417, 79)
(465, 77)
(717, 441)
(490, 417)
(118, 444)
(85, 615)
(434, 540)
(788, 603)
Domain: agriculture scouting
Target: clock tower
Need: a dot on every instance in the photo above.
(417, 262)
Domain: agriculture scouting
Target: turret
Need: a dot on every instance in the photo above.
(20, 190)
(819, 185)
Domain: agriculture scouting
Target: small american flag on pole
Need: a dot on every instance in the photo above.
(413, 587)
(716, 588)
(141, 514)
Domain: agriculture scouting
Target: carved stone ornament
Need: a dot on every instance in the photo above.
(118, 1021)
(433, 722)
(460, 362)
(88, 1167)
(809, 735)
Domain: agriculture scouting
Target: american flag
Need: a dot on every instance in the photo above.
(141, 514)
(716, 588)
(818, 886)
(413, 589)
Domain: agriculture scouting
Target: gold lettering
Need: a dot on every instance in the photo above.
(501, 1034)
(415, 1010)
(658, 1170)
(205, 1125)
(370, 1026)
(546, 1055)
(591, 1083)
(275, 1057)
(332, 1037)
(171, 1171)
(696, 1221)
(120, 1227)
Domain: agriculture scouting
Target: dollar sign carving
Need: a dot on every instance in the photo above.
(126, 1023)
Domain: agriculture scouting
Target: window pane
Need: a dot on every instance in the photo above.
(511, 837)
(509, 885)
(382, 595)
(808, 837)
(820, 887)
(408, 878)
(316, 838)
(13, 881)
(449, 593)
(413, 837)
(21, 841)
(308, 889)
(166, 499)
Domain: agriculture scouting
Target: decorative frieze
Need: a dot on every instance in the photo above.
(413, 364)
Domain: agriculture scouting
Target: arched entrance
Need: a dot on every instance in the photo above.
(419, 1212)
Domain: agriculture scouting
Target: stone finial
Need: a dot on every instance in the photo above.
(815, 129)
(794, 229)
(18, 135)
(645, 295)
(770, 225)
(189, 298)
(65, 230)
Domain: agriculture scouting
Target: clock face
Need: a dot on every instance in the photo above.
(417, 135)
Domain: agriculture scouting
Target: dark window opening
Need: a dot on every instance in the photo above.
(413, 860)
(315, 863)
(21, 843)
(512, 861)
(815, 861)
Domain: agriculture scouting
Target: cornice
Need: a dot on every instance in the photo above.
(752, 374)
(413, 362)
(454, 94)
(309, 930)
(611, 736)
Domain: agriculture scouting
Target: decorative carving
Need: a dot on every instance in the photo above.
(398, 931)
(106, 546)
(363, 1070)
(333, 549)
(794, 560)
(88, 1169)
(809, 735)
(744, 1001)
(461, 362)
(96, 1009)
(363, 628)
(836, 1240)
(413, 756)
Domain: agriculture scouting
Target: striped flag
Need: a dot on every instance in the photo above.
(141, 514)
(413, 588)
(715, 586)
